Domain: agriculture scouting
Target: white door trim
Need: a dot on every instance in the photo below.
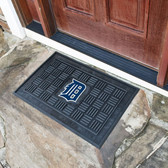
(74, 54)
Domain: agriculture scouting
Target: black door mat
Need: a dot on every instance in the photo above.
(84, 100)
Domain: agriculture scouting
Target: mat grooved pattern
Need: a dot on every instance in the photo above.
(97, 109)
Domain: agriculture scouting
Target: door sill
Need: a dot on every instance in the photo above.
(99, 58)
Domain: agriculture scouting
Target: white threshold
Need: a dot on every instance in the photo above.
(95, 63)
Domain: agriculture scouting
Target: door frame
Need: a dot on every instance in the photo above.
(44, 12)
(49, 27)
(162, 78)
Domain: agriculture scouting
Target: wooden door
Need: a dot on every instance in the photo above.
(132, 28)
(38, 11)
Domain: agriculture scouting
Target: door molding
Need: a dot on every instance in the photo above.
(23, 12)
(43, 10)
(162, 78)
(46, 17)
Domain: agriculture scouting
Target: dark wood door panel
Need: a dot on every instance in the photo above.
(125, 12)
(131, 28)
(32, 8)
(129, 14)
(24, 11)
(81, 6)
(115, 40)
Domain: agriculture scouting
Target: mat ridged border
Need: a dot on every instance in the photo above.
(95, 113)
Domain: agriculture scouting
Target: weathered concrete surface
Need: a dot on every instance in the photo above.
(160, 107)
(33, 139)
(137, 114)
(140, 148)
(2, 133)
(44, 143)
(130, 125)
(5, 164)
(3, 45)
(7, 42)
(159, 159)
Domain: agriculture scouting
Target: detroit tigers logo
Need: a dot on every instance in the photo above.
(73, 91)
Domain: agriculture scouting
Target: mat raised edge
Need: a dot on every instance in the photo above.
(97, 109)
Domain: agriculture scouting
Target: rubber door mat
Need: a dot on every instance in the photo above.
(84, 100)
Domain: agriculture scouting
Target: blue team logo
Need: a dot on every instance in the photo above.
(73, 91)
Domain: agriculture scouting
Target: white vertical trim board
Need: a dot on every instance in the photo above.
(12, 18)
(94, 62)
